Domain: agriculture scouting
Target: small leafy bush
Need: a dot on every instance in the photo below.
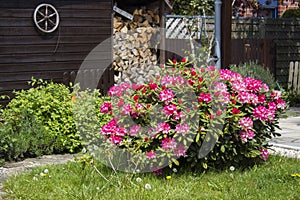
(256, 71)
(38, 121)
(202, 117)
(291, 13)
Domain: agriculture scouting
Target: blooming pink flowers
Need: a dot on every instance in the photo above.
(246, 123)
(263, 114)
(182, 129)
(106, 107)
(264, 154)
(168, 144)
(170, 109)
(166, 95)
(204, 97)
(246, 134)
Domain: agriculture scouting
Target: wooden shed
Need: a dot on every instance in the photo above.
(31, 45)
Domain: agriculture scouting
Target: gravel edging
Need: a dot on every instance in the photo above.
(285, 150)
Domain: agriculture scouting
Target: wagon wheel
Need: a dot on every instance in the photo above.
(46, 18)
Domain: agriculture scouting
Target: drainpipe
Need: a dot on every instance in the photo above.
(218, 4)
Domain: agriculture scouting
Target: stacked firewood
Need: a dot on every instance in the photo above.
(136, 46)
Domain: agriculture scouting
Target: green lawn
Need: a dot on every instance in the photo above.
(271, 180)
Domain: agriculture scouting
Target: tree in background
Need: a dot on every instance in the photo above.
(206, 7)
(193, 7)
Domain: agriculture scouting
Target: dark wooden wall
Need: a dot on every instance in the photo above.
(25, 52)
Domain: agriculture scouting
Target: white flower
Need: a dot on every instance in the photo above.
(231, 176)
(97, 188)
(46, 171)
(138, 179)
(137, 171)
(232, 168)
(43, 174)
(35, 178)
(147, 186)
(175, 170)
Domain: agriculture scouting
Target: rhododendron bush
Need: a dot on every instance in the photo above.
(203, 117)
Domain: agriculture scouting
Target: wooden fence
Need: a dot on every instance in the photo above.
(281, 36)
(294, 77)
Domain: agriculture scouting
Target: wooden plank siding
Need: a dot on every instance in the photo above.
(26, 52)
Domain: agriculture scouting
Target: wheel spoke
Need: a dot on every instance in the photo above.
(41, 20)
(53, 14)
(46, 25)
(46, 11)
(51, 22)
(41, 13)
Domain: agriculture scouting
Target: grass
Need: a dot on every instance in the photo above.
(271, 180)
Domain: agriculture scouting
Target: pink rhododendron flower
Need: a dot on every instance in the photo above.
(265, 88)
(163, 127)
(178, 115)
(238, 86)
(264, 154)
(116, 139)
(153, 86)
(180, 150)
(150, 154)
(206, 97)
(281, 104)
(261, 99)
(167, 80)
(126, 109)
(220, 87)
(106, 107)
(246, 123)
(115, 91)
(263, 114)
(170, 109)
(276, 94)
(166, 95)
(134, 130)
(168, 144)
(247, 97)
(109, 128)
(125, 86)
(245, 135)
(114, 132)
(272, 106)
(235, 111)
(157, 171)
(182, 129)
(253, 85)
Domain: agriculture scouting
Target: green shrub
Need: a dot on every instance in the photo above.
(38, 121)
(87, 115)
(293, 98)
(256, 71)
(291, 13)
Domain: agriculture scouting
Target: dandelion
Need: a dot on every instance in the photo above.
(138, 179)
(175, 170)
(232, 168)
(168, 177)
(46, 171)
(295, 175)
(97, 188)
(147, 186)
(35, 178)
